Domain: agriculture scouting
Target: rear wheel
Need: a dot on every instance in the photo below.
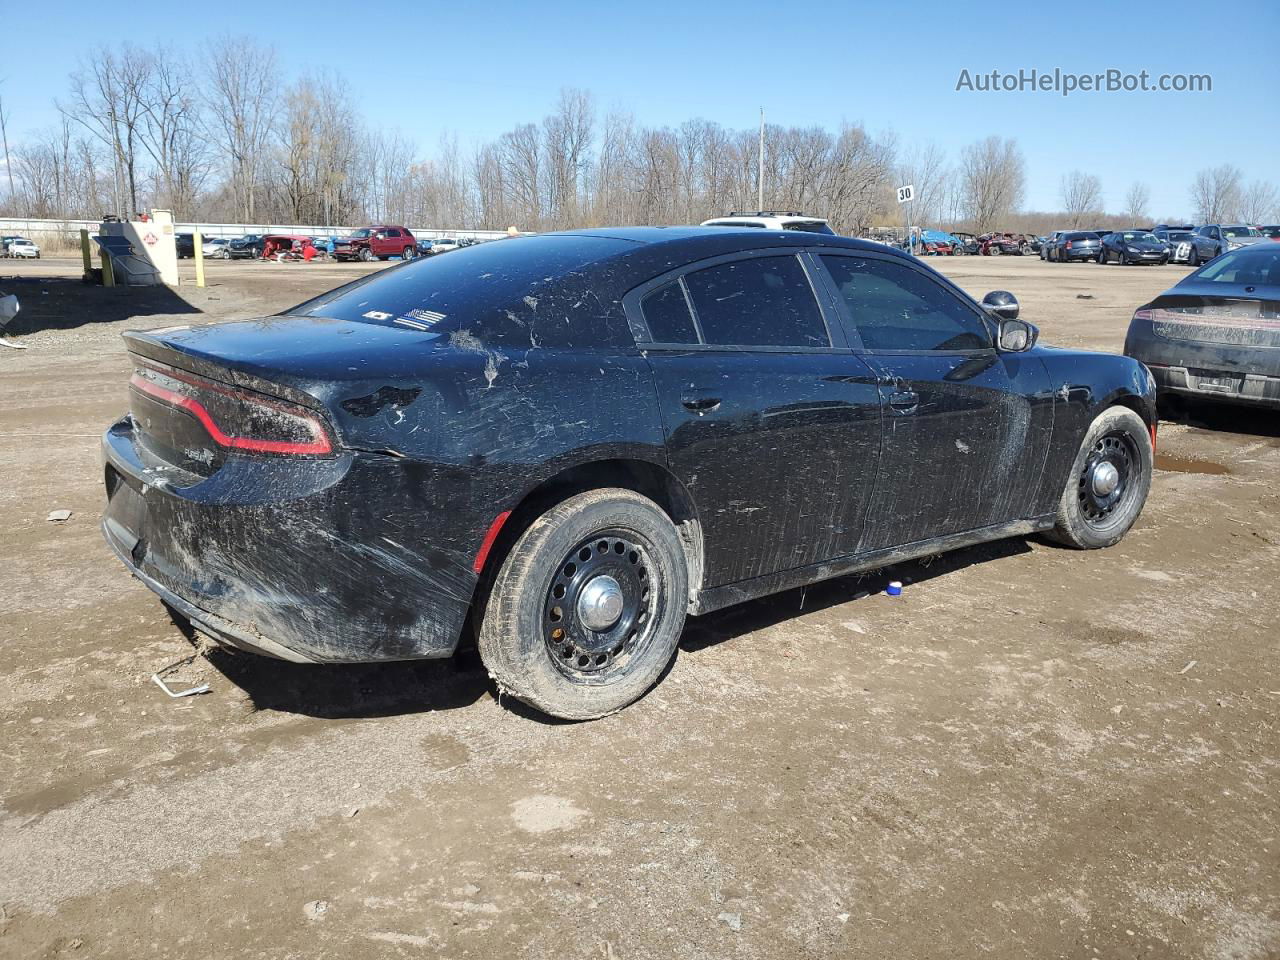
(407, 253)
(1108, 483)
(586, 610)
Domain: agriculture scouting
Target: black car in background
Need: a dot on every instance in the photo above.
(1133, 247)
(246, 248)
(1075, 245)
(572, 441)
(1216, 334)
(186, 245)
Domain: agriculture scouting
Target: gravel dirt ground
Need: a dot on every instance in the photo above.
(1031, 753)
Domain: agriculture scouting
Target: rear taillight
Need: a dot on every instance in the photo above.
(1146, 315)
(1068, 244)
(236, 419)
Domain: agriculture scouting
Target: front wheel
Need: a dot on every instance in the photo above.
(366, 254)
(1108, 484)
(587, 608)
(1194, 259)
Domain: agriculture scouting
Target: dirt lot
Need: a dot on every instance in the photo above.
(1032, 753)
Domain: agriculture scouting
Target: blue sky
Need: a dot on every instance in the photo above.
(476, 69)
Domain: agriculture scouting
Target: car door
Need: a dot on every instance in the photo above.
(966, 427)
(772, 423)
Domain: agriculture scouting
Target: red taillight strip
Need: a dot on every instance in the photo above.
(487, 543)
(197, 410)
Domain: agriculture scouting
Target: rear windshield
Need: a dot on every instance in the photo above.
(1254, 265)
(528, 291)
(1082, 236)
(808, 226)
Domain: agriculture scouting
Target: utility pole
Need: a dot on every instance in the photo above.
(760, 196)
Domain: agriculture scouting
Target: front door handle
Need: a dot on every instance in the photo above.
(904, 401)
(699, 404)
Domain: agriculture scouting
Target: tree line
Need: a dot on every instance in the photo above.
(249, 145)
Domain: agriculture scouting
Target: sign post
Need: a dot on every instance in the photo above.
(906, 194)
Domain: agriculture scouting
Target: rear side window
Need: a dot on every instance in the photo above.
(666, 311)
(895, 307)
(761, 302)
(393, 232)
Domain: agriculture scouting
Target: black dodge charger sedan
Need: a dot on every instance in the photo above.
(564, 444)
(1216, 334)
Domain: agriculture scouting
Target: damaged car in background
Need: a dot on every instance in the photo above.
(1216, 334)
(563, 445)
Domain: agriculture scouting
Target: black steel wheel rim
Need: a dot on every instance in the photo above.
(595, 653)
(1101, 502)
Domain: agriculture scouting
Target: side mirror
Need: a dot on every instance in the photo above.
(1002, 304)
(1017, 336)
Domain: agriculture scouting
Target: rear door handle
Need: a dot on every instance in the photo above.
(904, 401)
(699, 404)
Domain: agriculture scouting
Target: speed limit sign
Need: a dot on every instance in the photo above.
(907, 193)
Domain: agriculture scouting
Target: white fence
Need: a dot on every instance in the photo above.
(21, 226)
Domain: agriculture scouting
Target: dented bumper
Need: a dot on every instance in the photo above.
(291, 558)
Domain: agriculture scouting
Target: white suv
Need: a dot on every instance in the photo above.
(21, 247)
(772, 220)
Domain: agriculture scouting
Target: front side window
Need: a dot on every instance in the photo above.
(895, 307)
(761, 302)
(1238, 232)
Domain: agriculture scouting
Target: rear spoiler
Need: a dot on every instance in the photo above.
(153, 346)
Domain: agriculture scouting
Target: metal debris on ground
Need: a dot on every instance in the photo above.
(158, 677)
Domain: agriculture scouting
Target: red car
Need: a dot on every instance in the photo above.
(380, 241)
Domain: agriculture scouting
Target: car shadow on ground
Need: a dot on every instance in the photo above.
(64, 303)
(350, 691)
(1220, 417)
(745, 618)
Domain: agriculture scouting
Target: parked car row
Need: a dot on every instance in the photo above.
(1164, 243)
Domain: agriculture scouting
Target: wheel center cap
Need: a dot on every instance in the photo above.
(1105, 478)
(600, 603)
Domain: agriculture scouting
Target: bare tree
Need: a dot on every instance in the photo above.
(924, 167)
(993, 176)
(107, 99)
(566, 139)
(243, 102)
(1136, 202)
(1215, 194)
(171, 131)
(1081, 197)
(1259, 203)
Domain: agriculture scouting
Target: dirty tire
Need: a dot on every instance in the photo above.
(631, 541)
(1085, 521)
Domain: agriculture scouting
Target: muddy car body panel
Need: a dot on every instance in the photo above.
(327, 485)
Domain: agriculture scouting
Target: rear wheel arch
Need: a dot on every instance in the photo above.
(644, 477)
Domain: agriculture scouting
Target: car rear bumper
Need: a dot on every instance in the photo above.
(289, 558)
(1229, 385)
(1197, 368)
